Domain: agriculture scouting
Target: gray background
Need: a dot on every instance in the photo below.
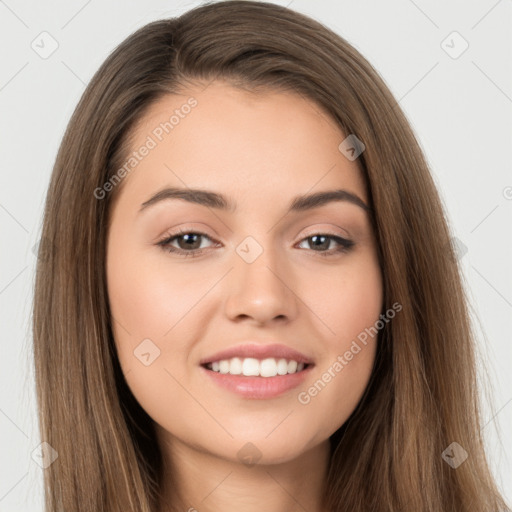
(459, 104)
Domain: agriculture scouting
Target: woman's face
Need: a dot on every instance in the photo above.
(269, 267)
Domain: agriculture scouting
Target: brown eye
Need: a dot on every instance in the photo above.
(322, 241)
(188, 243)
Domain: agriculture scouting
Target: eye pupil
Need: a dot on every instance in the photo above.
(191, 239)
(321, 244)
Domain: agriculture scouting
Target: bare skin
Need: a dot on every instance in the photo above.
(260, 151)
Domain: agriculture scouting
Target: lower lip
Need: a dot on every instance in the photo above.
(258, 388)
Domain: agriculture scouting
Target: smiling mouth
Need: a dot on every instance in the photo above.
(252, 367)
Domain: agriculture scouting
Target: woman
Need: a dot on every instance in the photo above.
(300, 356)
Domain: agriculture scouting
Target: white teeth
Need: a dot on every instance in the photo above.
(282, 367)
(250, 366)
(268, 368)
(224, 366)
(292, 366)
(235, 366)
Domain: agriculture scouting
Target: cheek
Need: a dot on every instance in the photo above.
(345, 301)
(349, 313)
(146, 304)
(138, 305)
(336, 390)
(145, 299)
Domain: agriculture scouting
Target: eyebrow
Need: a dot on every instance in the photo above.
(219, 201)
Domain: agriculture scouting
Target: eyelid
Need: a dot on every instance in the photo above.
(169, 235)
(315, 230)
(180, 230)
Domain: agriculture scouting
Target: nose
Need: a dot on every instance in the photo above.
(261, 290)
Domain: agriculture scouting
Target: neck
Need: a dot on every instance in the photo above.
(198, 481)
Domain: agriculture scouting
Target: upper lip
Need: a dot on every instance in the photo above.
(259, 351)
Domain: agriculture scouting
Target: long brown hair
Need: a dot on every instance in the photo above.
(388, 455)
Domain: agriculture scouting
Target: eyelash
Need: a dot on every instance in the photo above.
(344, 243)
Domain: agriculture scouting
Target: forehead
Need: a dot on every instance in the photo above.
(219, 137)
